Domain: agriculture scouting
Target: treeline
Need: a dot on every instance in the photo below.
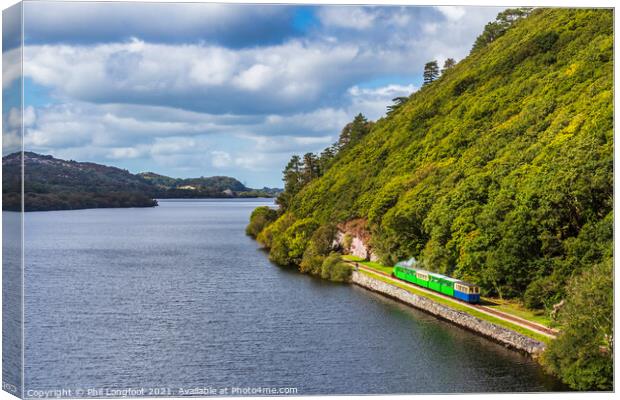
(210, 193)
(498, 171)
(305, 243)
(300, 171)
(75, 201)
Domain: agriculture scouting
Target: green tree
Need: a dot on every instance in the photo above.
(448, 64)
(497, 28)
(398, 101)
(582, 356)
(431, 72)
(334, 269)
(320, 245)
(293, 182)
(326, 158)
(501, 174)
(310, 168)
(260, 218)
(354, 131)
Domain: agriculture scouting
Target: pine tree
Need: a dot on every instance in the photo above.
(354, 131)
(431, 72)
(502, 23)
(310, 168)
(326, 158)
(449, 63)
(398, 101)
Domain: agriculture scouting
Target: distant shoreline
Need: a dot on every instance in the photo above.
(157, 200)
(156, 203)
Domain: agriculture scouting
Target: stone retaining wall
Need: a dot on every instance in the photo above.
(500, 334)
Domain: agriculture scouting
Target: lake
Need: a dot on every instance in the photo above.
(177, 297)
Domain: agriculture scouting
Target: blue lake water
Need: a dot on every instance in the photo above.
(177, 297)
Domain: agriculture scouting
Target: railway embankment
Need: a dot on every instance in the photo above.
(502, 335)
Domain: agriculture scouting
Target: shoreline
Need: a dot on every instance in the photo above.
(498, 334)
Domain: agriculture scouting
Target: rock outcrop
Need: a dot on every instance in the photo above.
(354, 238)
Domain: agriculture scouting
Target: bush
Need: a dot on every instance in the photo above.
(334, 269)
(269, 233)
(311, 263)
(541, 293)
(320, 245)
(260, 218)
(287, 238)
(347, 241)
(298, 236)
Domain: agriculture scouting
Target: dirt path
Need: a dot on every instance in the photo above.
(524, 323)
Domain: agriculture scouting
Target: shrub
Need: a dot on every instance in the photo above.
(542, 293)
(346, 242)
(334, 269)
(260, 218)
(267, 236)
(320, 245)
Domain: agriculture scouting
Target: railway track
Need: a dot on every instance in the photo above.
(524, 323)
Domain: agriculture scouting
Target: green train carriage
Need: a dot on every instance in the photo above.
(407, 271)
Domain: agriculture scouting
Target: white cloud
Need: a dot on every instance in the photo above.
(279, 77)
(124, 152)
(350, 17)
(16, 117)
(215, 68)
(291, 77)
(11, 141)
(430, 28)
(229, 24)
(453, 13)
(322, 120)
(252, 161)
(11, 67)
(254, 78)
(173, 145)
(220, 159)
(373, 102)
(185, 140)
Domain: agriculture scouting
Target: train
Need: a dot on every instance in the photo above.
(461, 290)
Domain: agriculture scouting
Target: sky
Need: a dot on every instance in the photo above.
(195, 89)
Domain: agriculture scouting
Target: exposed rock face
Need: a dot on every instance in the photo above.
(500, 334)
(356, 246)
(353, 236)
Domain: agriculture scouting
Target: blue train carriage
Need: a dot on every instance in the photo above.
(467, 292)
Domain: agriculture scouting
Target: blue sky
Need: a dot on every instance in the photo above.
(220, 89)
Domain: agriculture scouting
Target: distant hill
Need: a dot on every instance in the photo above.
(55, 184)
(214, 186)
(203, 187)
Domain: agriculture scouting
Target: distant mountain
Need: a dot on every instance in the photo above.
(55, 184)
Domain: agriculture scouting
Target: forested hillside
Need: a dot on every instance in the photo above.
(499, 172)
(203, 187)
(54, 184)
